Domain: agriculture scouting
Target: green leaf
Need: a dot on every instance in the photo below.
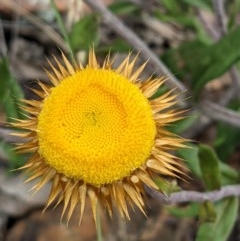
(15, 160)
(233, 11)
(10, 92)
(226, 140)
(204, 4)
(210, 169)
(84, 33)
(182, 125)
(190, 155)
(170, 5)
(180, 60)
(228, 174)
(117, 46)
(123, 8)
(227, 137)
(223, 55)
(210, 61)
(207, 212)
(227, 212)
(191, 210)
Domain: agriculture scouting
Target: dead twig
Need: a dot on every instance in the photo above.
(193, 196)
(220, 113)
(221, 16)
(3, 44)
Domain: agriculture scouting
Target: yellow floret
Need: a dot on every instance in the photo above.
(102, 130)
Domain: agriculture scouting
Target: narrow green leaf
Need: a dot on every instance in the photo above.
(172, 6)
(10, 92)
(227, 212)
(4, 80)
(15, 160)
(117, 46)
(233, 12)
(229, 175)
(210, 169)
(84, 33)
(185, 20)
(122, 7)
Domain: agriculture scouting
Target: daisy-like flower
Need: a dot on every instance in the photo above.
(98, 134)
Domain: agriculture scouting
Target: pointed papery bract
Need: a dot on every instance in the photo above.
(98, 135)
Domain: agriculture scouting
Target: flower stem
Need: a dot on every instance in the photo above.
(62, 28)
(99, 226)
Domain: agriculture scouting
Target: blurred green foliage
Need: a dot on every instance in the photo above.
(211, 61)
(84, 33)
(10, 94)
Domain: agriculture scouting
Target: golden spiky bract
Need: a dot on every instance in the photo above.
(106, 175)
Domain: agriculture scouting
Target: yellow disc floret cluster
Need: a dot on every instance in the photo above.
(103, 130)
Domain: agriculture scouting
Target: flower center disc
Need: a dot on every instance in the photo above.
(96, 126)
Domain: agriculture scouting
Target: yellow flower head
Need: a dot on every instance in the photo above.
(97, 133)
